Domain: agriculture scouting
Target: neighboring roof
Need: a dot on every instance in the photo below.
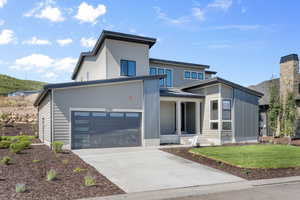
(175, 92)
(48, 87)
(26, 91)
(210, 72)
(178, 63)
(263, 87)
(290, 57)
(115, 36)
(223, 81)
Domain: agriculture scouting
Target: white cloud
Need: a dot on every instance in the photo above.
(51, 13)
(239, 27)
(198, 14)
(40, 63)
(64, 42)
(163, 16)
(2, 3)
(221, 4)
(46, 10)
(88, 14)
(36, 41)
(88, 42)
(34, 61)
(65, 64)
(6, 36)
(51, 75)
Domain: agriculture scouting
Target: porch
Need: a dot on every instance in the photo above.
(180, 119)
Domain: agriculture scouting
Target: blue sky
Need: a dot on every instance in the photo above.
(242, 40)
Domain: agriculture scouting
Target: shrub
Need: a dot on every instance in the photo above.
(20, 188)
(4, 144)
(36, 161)
(17, 147)
(78, 170)
(5, 160)
(26, 144)
(18, 138)
(51, 175)
(89, 181)
(57, 146)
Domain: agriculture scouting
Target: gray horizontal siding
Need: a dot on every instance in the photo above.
(115, 96)
(45, 113)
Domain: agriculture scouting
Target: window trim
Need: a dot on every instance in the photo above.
(127, 67)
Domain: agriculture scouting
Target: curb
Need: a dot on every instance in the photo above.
(199, 190)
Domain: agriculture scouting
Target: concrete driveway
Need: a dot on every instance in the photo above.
(145, 169)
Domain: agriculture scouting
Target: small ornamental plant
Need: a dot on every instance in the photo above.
(78, 170)
(89, 181)
(17, 147)
(5, 160)
(20, 188)
(4, 144)
(57, 146)
(36, 161)
(51, 175)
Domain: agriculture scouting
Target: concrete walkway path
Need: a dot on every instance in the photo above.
(147, 169)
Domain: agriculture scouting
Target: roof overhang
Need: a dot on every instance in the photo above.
(177, 63)
(49, 87)
(114, 36)
(223, 81)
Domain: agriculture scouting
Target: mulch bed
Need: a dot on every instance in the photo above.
(249, 174)
(18, 128)
(68, 185)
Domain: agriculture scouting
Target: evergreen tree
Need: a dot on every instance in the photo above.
(274, 108)
(290, 115)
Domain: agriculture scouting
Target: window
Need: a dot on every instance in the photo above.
(169, 78)
(194, 75)
(214, 114)
(161, 81)
(128, 68)
(226, 114)
(187, 75)
(200, 76)
(153, 71)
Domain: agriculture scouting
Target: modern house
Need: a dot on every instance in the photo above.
(287, 82)
(120, 97)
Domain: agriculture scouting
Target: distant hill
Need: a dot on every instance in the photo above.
(9, 84)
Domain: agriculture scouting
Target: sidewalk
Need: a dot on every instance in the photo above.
(199, 190)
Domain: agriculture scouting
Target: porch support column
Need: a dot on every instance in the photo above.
(178, 117)
(197, 117)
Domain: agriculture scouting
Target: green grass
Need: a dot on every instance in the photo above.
(9, 84)
(254, 156)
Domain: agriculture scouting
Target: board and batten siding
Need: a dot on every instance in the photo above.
(111, 97)
(45, 125)
(151, 109)
(246, 116)
(167, 117)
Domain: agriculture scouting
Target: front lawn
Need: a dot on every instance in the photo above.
(253, 156)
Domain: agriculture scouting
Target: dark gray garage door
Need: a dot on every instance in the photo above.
(105, 129)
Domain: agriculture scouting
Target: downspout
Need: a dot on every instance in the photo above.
(51, 118)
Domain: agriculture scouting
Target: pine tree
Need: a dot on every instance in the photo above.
(290, 115)
(274, 108)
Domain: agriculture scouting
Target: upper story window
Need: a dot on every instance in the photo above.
(193, 75)
(166, 82)
(128, 68)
